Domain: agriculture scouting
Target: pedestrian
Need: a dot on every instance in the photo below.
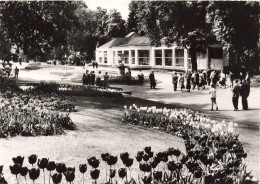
(241, 77)
(208, 76)
(181, 81)
(244, 92)
(92, 78)
(235, 95)
(93, 64)
(213, 95)
(140, 77)
(201, 80)
(247, 78)
(96, 63)
(175, 81)
(196, 81)
(152, 80)
(222, 79)
(212, 77)
(16, 72)
(98, 79)
(88, 78)
(84, 78)
(188, 82)
(231, 78)
(106, 78)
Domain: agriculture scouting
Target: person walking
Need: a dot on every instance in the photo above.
(212, 77)
(181, 81)
(175, 81)
(92, 78)
(247, 78)
(201, 80)
(98, 79)
(222, 79)
(196, 81)
(106, 78)
(213, 95)
(188, 82)
(84, 78)
(140, 77)
(235, 95)
(231, 78)
(152, 80)
(16, 72)
(244, 92)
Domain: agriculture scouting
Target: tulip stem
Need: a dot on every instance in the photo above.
(17, 179)
(25, 179)
(83, 178)
(43, 175)
(50, 178)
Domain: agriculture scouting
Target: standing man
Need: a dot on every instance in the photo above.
(152, 80)
(181, 81)
(106, 77)
(174, 81)
(244, 91)
(16, 72)
(188, 82)
(92, 78)
(235, 96)
(196, 80)
(140, 78)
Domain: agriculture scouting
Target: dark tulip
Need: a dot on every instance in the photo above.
(172, 166)
(146, 157)
(70, 175)
(94, 174)
(122, 172)
(104, 156)
(34, 173)
(93, 162)
(112, 160)
(124, 157)
(179, 165)
(43, 163)
(190, 153)
(145, 167)
(157, 175)
(23, 171)
(170, 150)
(71, 169)
(218, 156)
(2, 180)
(147, 179)
(184, 159)
(15, 169)
(83, 168)
(196, 138)
(61, 168)
(129, 162)
(51, 166)
(244, 155)
(147, 149)
(56, 178)
(151, 154)
(32, 159)
(177, 152)
(197, 174)
(139, 158)
(1, 169)
(154, 163)
(112, 173)
(209, 179)
(18, 160)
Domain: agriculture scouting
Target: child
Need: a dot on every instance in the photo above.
(213, 93)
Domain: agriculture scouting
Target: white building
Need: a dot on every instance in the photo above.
(136, 51)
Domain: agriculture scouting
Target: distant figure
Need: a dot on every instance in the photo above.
(106, 77)
(152, 80)
(16, 72)
(235, 96)
(84, 78)
(140, 78)
(128, 76)
(208, 76)
(231, 78)
(98, 79)
(213, 95)
(247, 78)
(222, 79)
(213, 77)
(181, 81)
(244, 92)
(201, 80)
(196, 80)
(96, 63)
(93, 64)
(92, 78)
(188, 82)
(175, 81)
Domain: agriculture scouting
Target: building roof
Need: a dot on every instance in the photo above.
(137, 41)
(115, 42)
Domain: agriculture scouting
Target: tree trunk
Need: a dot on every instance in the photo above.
(25, 52)
(193, 59)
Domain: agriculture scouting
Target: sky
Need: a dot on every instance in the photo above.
(120, 5)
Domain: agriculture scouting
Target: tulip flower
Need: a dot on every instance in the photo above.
(42, 164)
(95, 174)
(50, 167)
(93, 162)
(15, 170)
(104, 156)
(124, 157)
(18, 160)
(34, 174)
(61, 168)
(147, 179)
(112, 173)
(70, 175)
(112, 160)
(122, 173)
(83, 169)
(157, 175)
(56, 178)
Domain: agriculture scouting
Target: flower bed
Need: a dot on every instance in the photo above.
(33, 114)
(213, 150)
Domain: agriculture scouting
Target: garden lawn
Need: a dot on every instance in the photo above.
(99, 131)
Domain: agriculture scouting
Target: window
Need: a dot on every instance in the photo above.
(216, 53)
(133, 56)
(100, 56)
(105, 56)
(158, 57)
(189, 61)
(179, 56)
(120, 56)
(126, 56)
(114, 57)
(143, 57)
(168, 57)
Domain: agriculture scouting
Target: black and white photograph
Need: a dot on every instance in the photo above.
(129, 92)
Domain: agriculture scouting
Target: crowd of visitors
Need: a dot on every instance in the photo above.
(7, 70)
(90, 78)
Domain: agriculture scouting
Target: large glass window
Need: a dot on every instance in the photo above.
(216, 53)
(126, 56)
(189, 60)
(114, 57)
(158, 57)
(133, 56)
(120, 56)
(143, 57)
(179, 56)
(105, 56)
(168, 57)
(100, 56)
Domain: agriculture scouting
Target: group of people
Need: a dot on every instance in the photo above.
(90, 78)
(7, 70)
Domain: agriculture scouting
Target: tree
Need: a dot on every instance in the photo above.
(236, 26)
(115, 25)
(37, 27)
(183, 23)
